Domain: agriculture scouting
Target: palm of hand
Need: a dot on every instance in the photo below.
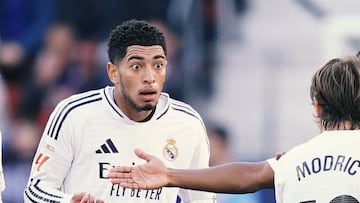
(151, 175)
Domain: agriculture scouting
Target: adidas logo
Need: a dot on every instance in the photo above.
(107, 147)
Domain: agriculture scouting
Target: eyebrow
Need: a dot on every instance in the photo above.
(159, 56)
(142, 58)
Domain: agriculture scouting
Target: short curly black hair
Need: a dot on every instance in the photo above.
(133, 32)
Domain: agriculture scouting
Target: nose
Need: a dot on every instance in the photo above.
(149, 75)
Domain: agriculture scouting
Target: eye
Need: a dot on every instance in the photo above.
(158, 65)
(135, 66)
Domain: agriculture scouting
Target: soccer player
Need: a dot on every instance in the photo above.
(89, 133)
(323, 169)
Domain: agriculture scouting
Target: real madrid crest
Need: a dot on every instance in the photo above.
(170, 151)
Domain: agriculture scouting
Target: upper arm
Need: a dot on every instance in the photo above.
(243, 177)
(265, 175)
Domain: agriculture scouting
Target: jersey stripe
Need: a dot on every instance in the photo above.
(163, 113)
(57, 121)
(112, 146)
(183, 105)
(52, 124)
(180, 106)
(65, 115)
(185, 111)
(107, 99)
(38, 194)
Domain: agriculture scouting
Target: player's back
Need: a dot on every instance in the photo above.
(325, 169)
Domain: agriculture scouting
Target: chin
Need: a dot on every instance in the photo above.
(148, 107)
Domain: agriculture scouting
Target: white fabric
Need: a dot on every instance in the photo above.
(326, 167)
(94, 136)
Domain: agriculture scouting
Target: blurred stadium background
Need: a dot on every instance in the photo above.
(244, 65)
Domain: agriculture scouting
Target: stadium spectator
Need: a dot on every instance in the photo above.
(54, 77)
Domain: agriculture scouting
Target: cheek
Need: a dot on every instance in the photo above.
(128, 83)
(162, 77)
(161, 82)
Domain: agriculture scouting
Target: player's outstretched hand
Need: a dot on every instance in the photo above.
(150, 175)
(85, 198)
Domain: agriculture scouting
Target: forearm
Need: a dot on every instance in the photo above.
(41, 191)
(228, 178)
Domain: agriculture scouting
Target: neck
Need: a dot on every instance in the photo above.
(134, 114)
(343, 125)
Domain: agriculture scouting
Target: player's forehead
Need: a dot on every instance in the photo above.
(153, 51)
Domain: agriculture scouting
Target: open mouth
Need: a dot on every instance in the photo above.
(148, 95)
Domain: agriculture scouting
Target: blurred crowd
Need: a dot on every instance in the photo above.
(51, 49)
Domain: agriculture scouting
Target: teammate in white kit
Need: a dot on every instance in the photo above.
(324, 169)
(90, 133)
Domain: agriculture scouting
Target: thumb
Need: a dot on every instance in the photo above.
(142, 155)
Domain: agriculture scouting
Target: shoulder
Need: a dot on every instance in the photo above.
(183, 108)
(81, 99)
(180, 112)
(292, 156)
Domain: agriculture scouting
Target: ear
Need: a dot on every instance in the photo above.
(317, 108)
(112, 72)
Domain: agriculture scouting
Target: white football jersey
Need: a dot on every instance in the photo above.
(322, 170)
(87, 135)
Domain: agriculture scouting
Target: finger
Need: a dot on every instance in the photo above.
(126, 169)
(129, 185)
(99, 201)
(278, 155)
(142, 155)
(91, 199)
(116, 175)
(85, 199)
(118, 180)
(122, 180)
(78, 197)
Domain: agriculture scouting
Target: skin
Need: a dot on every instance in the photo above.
(138, 79)
(236, 178)
(85, 198)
